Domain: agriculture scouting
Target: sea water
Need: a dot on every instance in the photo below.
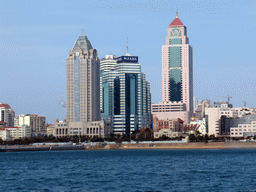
(129, 170)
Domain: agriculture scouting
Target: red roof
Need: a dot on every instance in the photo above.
(4, 105)
(176, 22)
(180, 120)
(4, 128)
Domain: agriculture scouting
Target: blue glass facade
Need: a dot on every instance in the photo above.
(131, 101)
(129, 95)
(175, 73)
(77, 88)
(176, 41)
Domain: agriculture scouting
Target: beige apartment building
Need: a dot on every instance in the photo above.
(82, 82)
(213, 116)
(82, 93)
(10, 133)
(91, 129)
(35, 122)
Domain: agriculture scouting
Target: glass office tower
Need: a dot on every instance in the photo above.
(125, 94)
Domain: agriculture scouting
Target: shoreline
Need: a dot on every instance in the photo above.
(178, 146)
(136, 146)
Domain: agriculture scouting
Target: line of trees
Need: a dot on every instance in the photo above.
(205, 138)
(51, 139)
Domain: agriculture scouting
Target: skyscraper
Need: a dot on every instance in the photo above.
(177, 66)
(82, 94)
(177, 75)
(126, 97)
(82, 82)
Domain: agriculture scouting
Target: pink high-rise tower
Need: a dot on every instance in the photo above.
(177, 75)
(177, 66)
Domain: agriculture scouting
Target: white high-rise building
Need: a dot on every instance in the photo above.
(6, 115)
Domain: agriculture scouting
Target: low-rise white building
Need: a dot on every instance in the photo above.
(10, 133)
(167, 133)
(201, 124)
(243, 130)
(93, 128)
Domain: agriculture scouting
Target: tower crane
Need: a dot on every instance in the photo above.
(229, 97)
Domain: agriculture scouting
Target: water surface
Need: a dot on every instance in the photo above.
(129, 170)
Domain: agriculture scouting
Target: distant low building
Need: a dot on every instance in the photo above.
(10, 133)
(200, 110)
(167, 132)
(173, 124)
(49, 129)
(219, 120)
(170, 110)
(92, 128)
(35, 122)
(194, 126)
(243, 130)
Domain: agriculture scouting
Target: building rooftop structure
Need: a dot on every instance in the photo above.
(83, 43)
(176, 22)
(4, 105)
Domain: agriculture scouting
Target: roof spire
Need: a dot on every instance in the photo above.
(127, 54)
(83, 32)
(127, 45)
(177, 13)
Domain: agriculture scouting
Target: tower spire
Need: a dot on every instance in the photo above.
(83, 32)
(177, 13)
(127, 45)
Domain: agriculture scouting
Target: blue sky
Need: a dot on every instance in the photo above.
(36, 37)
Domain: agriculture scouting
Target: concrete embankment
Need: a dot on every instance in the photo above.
(39, 148)
(211, 145)
(148, 145)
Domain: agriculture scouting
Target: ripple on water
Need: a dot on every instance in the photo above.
(129, 170)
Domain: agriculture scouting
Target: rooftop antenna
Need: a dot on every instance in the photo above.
(83, 32)
(127, 45)
(177, 13)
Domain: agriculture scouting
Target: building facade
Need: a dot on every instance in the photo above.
(125, 94)
(82, 82)
(82, 93)
(167, 132)
(90, 129)
(219, 120)
(200, 109)
(10, 133)
(177, 73)
(35, 122)
(177, 66)
(6, 115)
(173, 124)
